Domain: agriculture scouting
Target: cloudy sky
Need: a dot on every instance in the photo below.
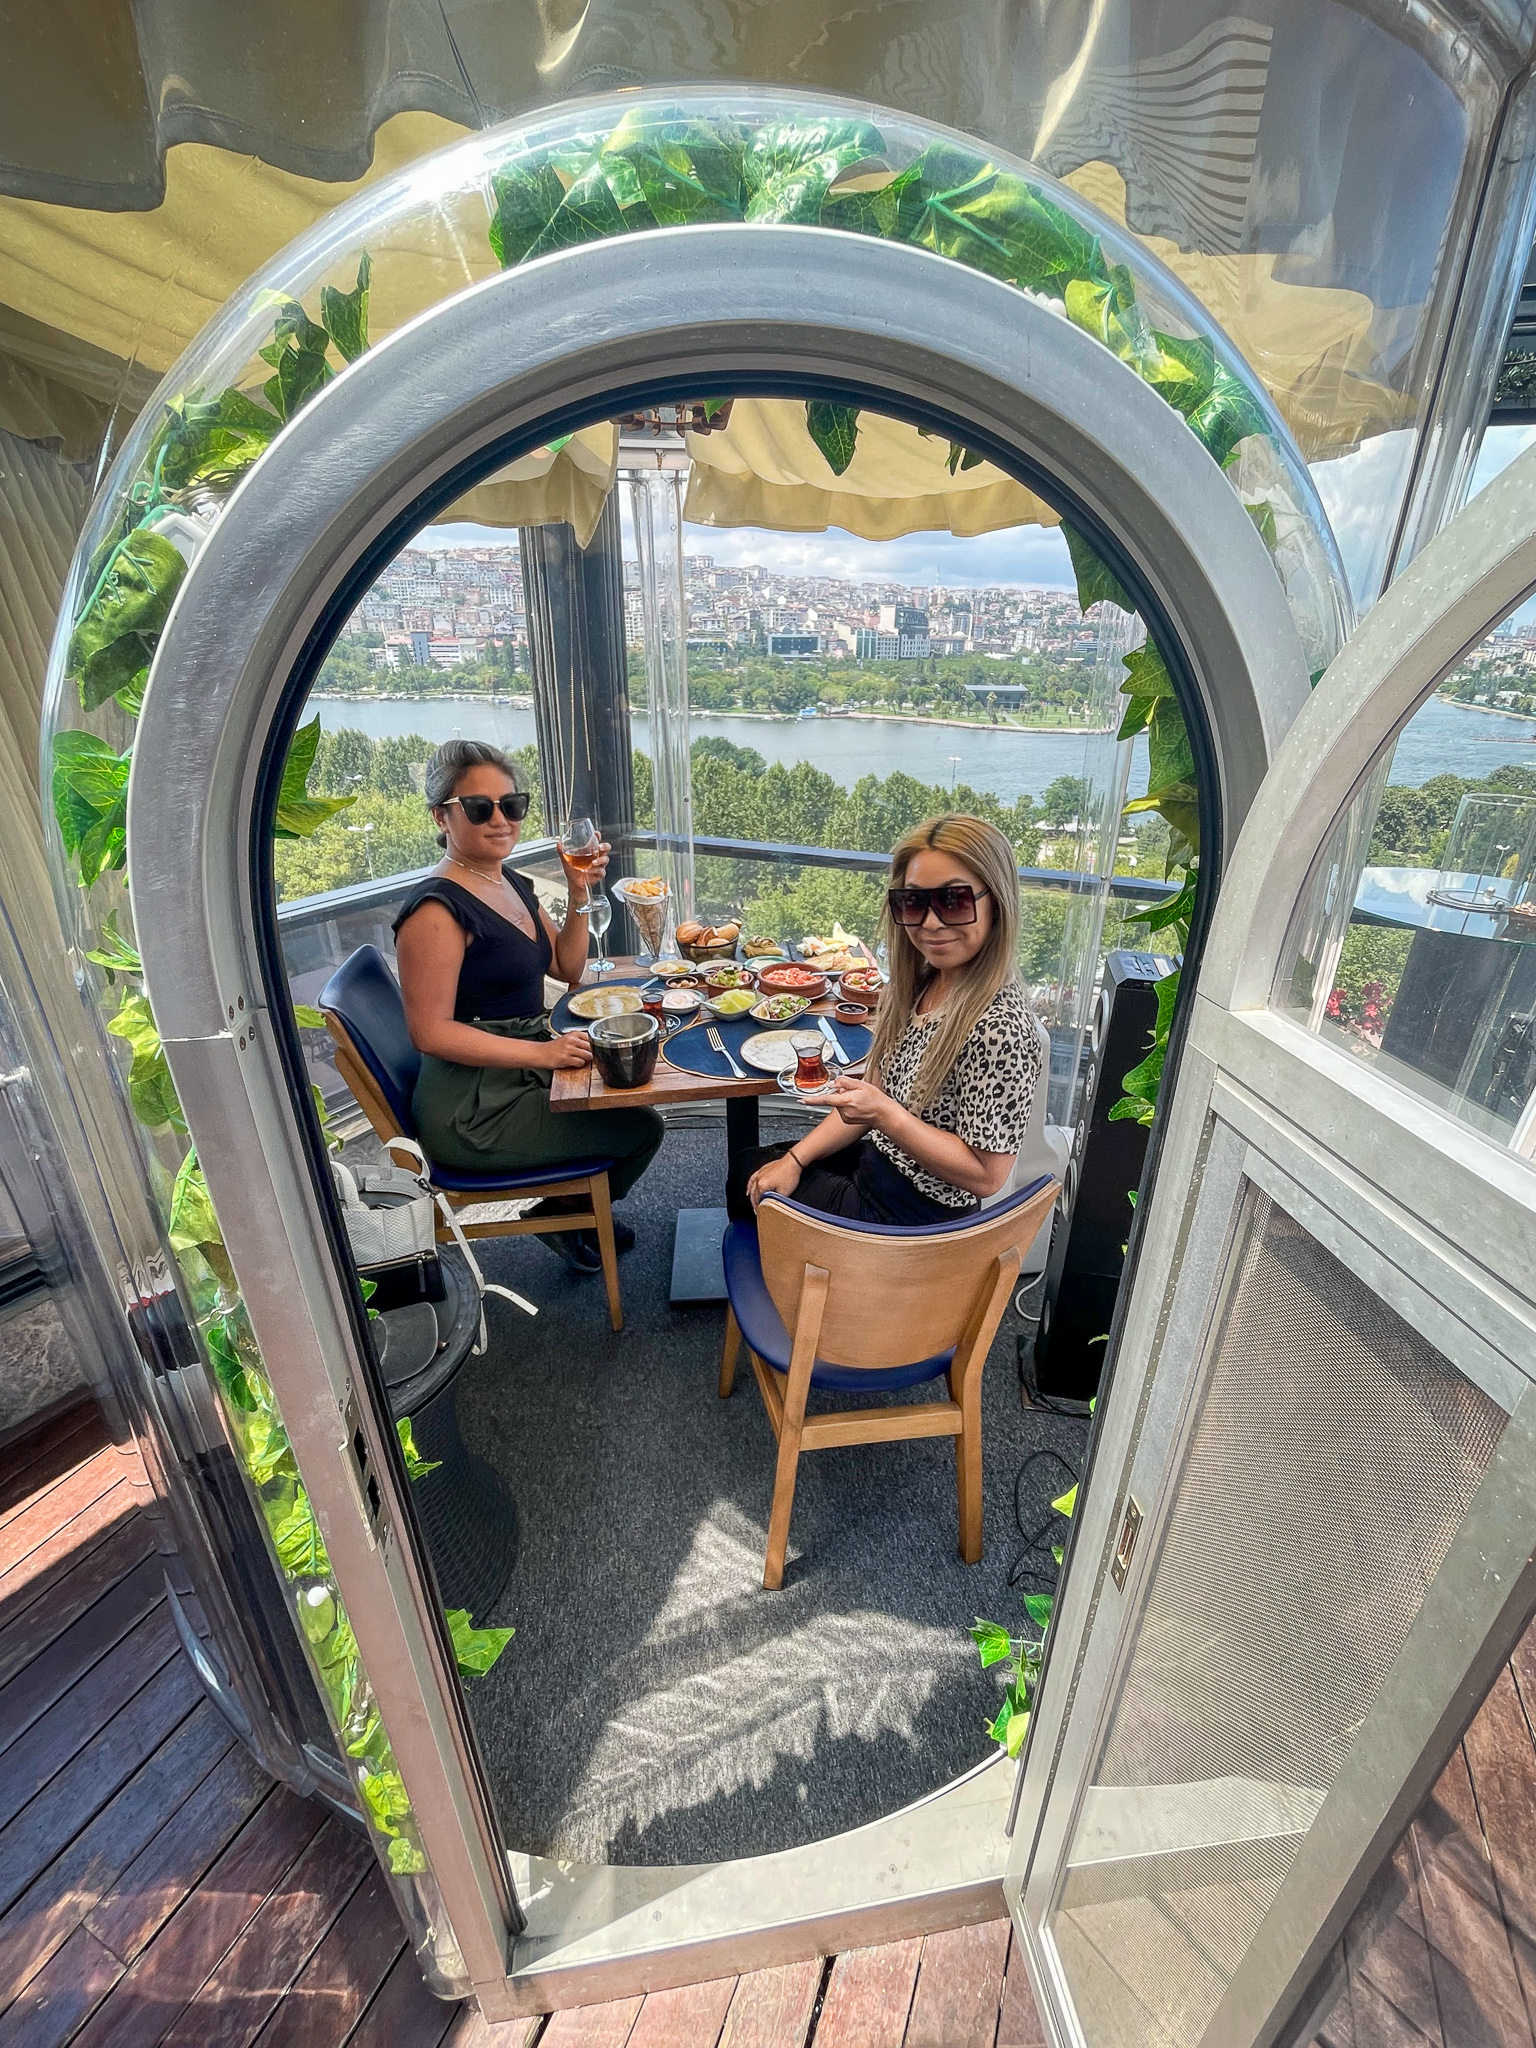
(1021, 554)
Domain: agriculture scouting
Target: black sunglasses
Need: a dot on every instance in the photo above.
(478, 809)
(955, 903)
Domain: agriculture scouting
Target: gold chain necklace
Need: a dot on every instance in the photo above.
(479, 873)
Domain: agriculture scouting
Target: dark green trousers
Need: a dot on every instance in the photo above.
(498, 1119)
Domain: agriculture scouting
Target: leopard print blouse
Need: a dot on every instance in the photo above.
(987, 1093)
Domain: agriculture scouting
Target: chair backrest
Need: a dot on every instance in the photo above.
(363, 998)
(898, 1294)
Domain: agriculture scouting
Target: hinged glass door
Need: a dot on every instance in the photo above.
(1303, 1545)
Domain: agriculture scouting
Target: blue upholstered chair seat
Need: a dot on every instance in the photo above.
(763, 1331)
(363, 994)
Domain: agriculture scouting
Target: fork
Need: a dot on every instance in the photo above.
(717, 1044)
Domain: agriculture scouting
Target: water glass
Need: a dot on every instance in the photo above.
(599, 917)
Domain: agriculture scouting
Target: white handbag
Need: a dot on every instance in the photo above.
(407, 1230)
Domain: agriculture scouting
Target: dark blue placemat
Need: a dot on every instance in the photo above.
(692, 1052)
(560, 1017)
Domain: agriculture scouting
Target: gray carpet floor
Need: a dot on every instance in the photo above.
(656, 1705)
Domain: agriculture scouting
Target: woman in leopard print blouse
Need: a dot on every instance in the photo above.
(941, 1115)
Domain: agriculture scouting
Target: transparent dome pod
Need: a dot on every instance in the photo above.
(412, 244)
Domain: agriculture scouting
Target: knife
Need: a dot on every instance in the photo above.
(833, 1040)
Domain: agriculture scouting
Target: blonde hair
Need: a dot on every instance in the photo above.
(983, 849)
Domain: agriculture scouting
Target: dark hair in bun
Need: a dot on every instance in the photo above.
(452, 762)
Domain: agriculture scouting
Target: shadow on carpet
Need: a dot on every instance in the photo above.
(656, 1705)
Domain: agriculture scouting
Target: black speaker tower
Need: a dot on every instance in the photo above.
(1093, 1216)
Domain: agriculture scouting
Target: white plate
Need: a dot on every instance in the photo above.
(782, 1022)
(604, 1002)
(770, 1051)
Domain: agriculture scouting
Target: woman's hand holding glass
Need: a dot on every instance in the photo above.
(583, 855)
(859, 1103)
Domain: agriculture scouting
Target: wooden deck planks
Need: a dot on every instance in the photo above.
(232, 2007)
(55, 1740)
(404, 2014)
(44, 1456)
(869, 1997)
(175, 1966)
(772, 2008)
(959, 1988)
(26, 1573)
(60, 1996)
(591, 2026)
(1018, 2022)
(37, 1625)
(59, 1898)
(1476, 1989)
(171, 1865)
(339, 1981)
(48, 1823)
(690, 2017)
(49, 1675)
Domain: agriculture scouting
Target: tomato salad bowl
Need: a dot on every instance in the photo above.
(790, 980)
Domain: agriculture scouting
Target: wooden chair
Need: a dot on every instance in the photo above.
(823, 1302)
(366, 1019)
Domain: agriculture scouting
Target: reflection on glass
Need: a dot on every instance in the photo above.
(1415, 946)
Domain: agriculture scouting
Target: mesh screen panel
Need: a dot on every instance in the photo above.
(1332, 1459)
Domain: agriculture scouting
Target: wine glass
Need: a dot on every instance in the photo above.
(578, 843)
(599, 917)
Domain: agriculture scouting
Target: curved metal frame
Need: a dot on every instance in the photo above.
(506, 364)
(1435, 1217)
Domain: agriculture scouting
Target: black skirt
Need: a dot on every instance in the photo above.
(858, 1182)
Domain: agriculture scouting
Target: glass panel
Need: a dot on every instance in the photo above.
(1280, 1593)
(1415, 946)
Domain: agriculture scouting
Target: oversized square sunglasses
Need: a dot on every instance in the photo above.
(478, 809)
(954, 903)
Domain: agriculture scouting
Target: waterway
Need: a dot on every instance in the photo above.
(1002, 760)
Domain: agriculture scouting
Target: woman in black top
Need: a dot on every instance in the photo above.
(473, 946)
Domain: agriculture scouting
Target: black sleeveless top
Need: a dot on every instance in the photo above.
(503, 971)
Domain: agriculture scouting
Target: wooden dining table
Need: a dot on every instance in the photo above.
(697, 1275)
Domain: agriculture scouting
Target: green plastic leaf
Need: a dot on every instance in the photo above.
(1058, 1551)
(475, 1649)
(211, 441)
(1229, 415)
(1182, 372)
(300, 1549)
(416, 1466)
(1147, 683)
(956, 203)
(1175, 913)
(1132, 1109)
(1263, 517)
(1096, 582)
(115, 635)
(1040, 1607)
(193, 1221)
(790, 166)
(993, 1642)
(528, 194)
(298, 813)
(307, 1017)
(345, 314)
(228, 1366)
(297, 353)
(1170, 758)
(962, 458)
(386, 1797)
(1018, 1728)
(834, 429)
(998, 1728)
(1067, 1502)
(405, 1859)
(150, 1087)
(115, 955)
